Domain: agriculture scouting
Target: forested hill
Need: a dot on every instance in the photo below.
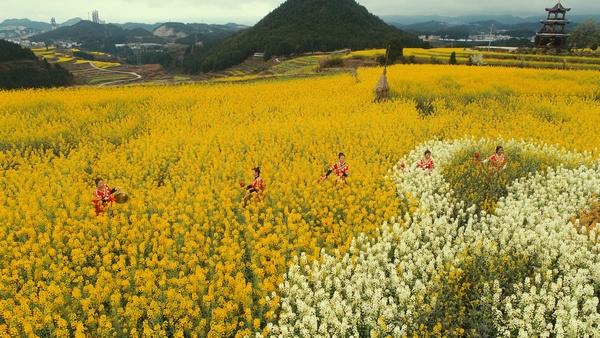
(20, 68)
(12, 52)
(299, 26)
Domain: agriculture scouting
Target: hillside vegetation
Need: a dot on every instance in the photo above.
(20, 68)
(11, 52)
(300, 26)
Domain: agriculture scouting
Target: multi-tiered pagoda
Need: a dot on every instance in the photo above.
(553, 33)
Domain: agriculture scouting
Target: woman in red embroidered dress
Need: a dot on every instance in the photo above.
(340, 169)
(103, 196)
(426, 163)
(498, 160)
(256, 188)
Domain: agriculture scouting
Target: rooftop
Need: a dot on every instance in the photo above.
(558, 8)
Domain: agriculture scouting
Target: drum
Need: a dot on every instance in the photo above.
(121, 197)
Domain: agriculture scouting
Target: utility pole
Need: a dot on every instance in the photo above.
(491, 37)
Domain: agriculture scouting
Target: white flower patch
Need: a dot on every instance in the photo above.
(381, 286)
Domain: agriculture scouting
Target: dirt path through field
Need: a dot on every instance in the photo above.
(136, 75)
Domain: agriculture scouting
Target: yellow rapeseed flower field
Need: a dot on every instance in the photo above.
(184, 256)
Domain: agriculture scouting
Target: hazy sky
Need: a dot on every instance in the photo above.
(250, 11)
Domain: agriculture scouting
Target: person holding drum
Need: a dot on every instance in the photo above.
(340, 169)
(104, 196)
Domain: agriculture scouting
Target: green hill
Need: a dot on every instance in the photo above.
(299, 26)
(12, 52)
(20, 68)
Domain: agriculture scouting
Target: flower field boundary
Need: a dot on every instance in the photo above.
(520, 271)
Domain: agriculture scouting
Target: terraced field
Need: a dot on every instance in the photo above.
(442, 55)
(297, 66)
(108, 73)
(490, 58)
(255, 68)
(88, 72)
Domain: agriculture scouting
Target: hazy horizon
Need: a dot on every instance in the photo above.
(225, 11)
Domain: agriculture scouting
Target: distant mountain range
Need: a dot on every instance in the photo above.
(89, 33)
(24, 28)
(42, 27)
(401, 20)
(519, 30)
(85, 31)
(36, 25)
(39, 26)
(460, 27)
(104, 36)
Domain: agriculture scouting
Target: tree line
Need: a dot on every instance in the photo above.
(586, 35)
(11, 52)
(20, 68)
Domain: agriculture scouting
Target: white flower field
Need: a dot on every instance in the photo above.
(527, 268)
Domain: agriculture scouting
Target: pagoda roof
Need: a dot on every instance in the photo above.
(558, 8)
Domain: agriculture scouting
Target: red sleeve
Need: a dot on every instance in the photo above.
(97, 195)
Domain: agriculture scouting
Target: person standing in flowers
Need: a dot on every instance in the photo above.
(340, 169)
(498, 160)
(103, 196)
(256, 188)
(426, 163)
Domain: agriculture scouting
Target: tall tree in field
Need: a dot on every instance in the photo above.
(586, 35)
(453, 59)
(395, 50)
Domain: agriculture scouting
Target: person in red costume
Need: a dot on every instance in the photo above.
(426, 163)
(498, 160)
(340, 169)
(256, 188)
(103, 196)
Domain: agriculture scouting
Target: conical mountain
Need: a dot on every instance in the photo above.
(299, 26)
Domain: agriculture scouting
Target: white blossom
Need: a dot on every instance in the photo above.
(394, 275)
